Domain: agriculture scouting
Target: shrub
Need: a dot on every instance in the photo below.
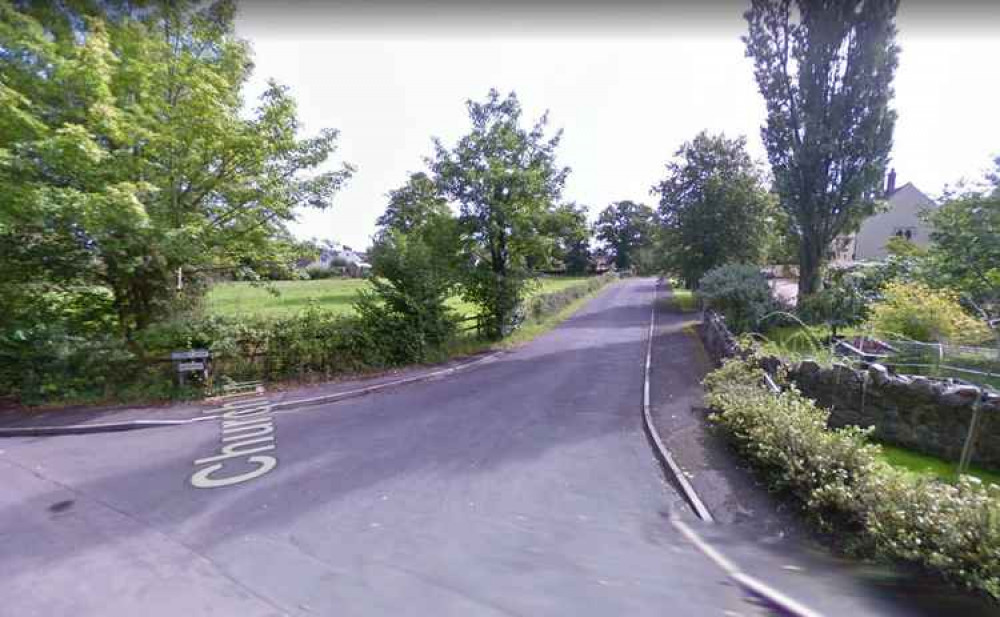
(414, 274)
(842, 302)
(315, 273)
(740, 292)
(837, 475)
(920, 313)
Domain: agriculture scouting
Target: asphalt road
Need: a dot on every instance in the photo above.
(524, 486)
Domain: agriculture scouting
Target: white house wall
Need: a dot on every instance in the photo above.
(905, 206)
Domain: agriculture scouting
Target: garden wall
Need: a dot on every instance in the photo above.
(920, 413)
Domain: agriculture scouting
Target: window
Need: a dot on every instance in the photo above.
(904, 232)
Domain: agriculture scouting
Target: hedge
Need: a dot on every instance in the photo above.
(836, 474)
(313, 344)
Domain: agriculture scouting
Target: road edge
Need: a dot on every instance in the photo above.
(751, 584)
(131, 425)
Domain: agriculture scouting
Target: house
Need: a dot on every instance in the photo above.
(342, 259)
(902, 219)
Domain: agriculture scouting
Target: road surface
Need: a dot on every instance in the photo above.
(523, 486)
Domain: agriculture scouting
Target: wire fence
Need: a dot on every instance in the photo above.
(978, 365)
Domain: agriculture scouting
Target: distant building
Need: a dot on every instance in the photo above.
(902, 219)
(341, 259)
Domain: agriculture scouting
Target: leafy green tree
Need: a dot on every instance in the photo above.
(505, 180)
(413, 276)
(965, 250)
(714, 207)
(126, 155)
(569, 235)
(414, 204)
(825, 71)
(415, 262)
(625, 227)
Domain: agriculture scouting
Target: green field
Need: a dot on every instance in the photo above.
(234, 299)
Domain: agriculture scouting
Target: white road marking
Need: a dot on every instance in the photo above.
(247, 431)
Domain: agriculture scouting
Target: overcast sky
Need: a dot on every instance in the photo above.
(628, 87)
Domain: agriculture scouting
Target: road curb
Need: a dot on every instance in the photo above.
(661, 451)
(336, 396)
(83, 429)
(758, 588)
(131, 425)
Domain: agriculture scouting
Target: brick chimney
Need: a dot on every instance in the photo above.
(890, 183)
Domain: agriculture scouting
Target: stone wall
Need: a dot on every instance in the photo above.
(719, 342)
(920, 413)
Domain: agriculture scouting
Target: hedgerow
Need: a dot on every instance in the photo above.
(49, 366)
(836, 474)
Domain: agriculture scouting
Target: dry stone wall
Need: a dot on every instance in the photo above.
(920, 413)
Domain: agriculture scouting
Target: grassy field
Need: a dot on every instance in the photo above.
(234, 299)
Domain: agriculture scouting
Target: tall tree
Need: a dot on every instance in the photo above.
(125, 147)
(825, 70)
(414, 204)
(505, 180)
(965, 249)
(625, 227)
(714, 207)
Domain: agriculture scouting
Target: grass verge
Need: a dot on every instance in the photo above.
(683, 299)
(931, 466)
(528, 331)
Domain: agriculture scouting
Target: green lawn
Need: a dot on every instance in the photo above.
(929, 465)
(232, 299)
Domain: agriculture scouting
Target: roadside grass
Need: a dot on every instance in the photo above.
(683, 299)
(925, 465)
(528, 331)
(336, 295)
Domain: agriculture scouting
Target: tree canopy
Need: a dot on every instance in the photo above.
(126, 153)
(825, 70)
(714, 207)
(506, 182)
(625, 227)
(965, 250)
(414, 204)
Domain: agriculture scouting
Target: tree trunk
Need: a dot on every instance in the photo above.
(810, 267)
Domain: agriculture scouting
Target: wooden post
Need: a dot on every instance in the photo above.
(970, 438)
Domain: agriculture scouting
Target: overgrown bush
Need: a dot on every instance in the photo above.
(842, 302)
(918, 312)
(838, 477)
(315, 273)
(740, 293)
(414, 275)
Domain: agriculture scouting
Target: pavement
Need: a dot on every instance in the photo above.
(758, 531)
(523, 485)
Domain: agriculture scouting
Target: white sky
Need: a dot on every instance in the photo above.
(626, 100)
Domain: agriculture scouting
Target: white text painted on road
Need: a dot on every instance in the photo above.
(247, 431)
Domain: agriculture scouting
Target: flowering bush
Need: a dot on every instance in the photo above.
(924, 314)
(838, 476)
